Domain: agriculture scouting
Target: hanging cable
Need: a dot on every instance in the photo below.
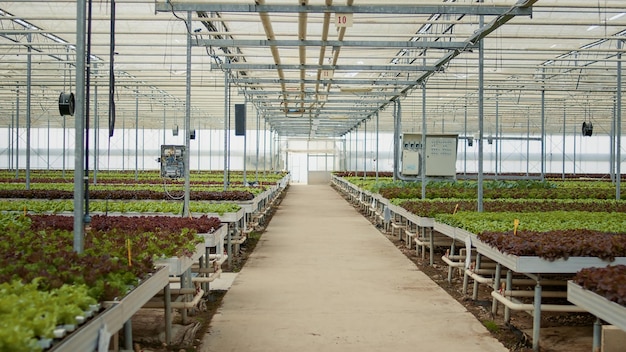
(168, 193)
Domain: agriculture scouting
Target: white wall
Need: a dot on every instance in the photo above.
(124, 151)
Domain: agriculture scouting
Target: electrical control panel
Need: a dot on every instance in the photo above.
(439, 150)
(172, 161)
(411, 146)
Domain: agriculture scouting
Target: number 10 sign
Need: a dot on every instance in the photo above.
(343, 19)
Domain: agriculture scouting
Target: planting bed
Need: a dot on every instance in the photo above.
(119, 255)
(533, 237)
(122, 254)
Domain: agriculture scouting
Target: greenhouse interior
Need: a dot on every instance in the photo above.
(281, 175)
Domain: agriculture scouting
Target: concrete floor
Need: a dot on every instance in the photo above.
(322, 278)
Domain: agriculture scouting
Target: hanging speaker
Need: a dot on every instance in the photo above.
(66, 104)
(587, 129)
(192, 134)
(175, 131)
(240, 119)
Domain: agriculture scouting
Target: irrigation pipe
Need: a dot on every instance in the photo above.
(178, 305)
(530, 307)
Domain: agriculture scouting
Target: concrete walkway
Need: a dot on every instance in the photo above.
(322, 278)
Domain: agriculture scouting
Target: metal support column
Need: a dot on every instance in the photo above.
(226, 123)
(48, 146)
(258, 137)
(618, 100)
(79, 123)
(496, 140)
(164, 127)
(96, 157)
(17, 133)
(508, 287)
(187, 117)
(466, 141)
(364, 149)
(423, 142)
(563, 144)
(543, 132)
(537, 314)
(137, 134)
(264, 146)
(29, 73)
(64, 142)
(597, 336)
(377, 142)
(245, 151)
(528, 143)
(128, 335)
(612, 143)
(167, 298)
(481, 99)
(356, 150)
(271, 151)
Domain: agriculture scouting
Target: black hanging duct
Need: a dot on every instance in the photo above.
(66, 104)
(587, 129)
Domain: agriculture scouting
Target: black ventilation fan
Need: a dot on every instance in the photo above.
(587, 129)
(66, 104)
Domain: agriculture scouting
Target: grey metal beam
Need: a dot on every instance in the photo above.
(331, 93)
(385, 82)
(390, 67)
(377, 9)
(326, 103)
(241, 43)
(320, 112)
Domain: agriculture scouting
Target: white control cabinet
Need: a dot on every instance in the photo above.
(440, 154)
